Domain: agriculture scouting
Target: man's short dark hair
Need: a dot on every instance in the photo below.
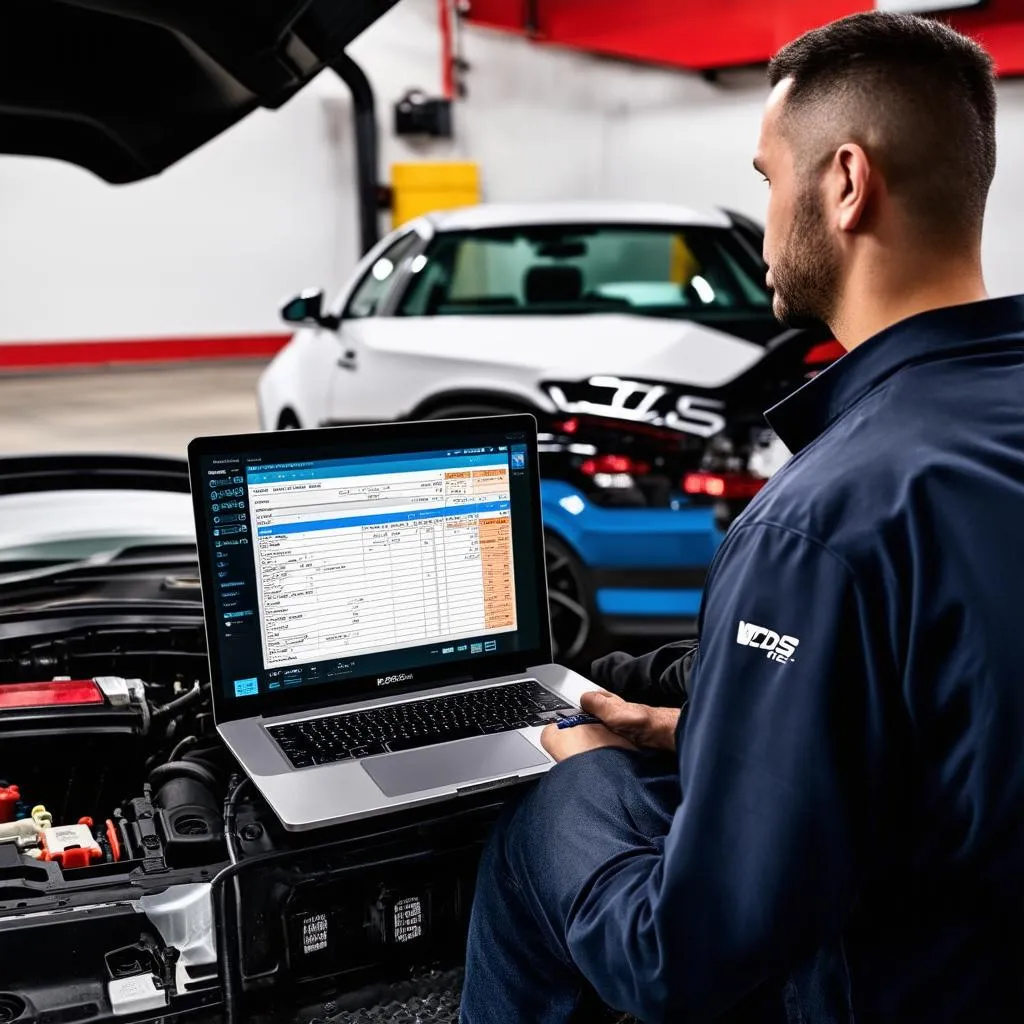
(918, 95)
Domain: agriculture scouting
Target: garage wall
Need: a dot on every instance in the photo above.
(212, 245)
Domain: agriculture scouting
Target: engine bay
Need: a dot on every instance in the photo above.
(108, 739)
(140, 873)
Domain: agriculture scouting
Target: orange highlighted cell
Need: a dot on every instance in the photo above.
(495, 537)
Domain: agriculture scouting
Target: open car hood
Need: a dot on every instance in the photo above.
(127, 87)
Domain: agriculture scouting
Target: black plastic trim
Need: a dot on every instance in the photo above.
(21, 474)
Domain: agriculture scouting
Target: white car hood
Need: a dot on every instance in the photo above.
(574, 347)
(78, 524)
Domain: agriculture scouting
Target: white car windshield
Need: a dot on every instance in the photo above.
(687, 272)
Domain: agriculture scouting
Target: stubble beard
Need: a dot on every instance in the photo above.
(806, 272)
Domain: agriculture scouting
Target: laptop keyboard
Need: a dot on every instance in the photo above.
(419, 723)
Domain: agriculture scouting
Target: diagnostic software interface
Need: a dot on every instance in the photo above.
(327, 567)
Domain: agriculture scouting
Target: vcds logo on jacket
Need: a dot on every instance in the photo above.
(776, 647)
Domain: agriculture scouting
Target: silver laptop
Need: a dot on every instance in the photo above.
(376, 612)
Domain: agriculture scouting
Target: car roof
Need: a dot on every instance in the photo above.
(502, 215)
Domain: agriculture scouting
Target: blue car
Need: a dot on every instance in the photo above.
(622, 572)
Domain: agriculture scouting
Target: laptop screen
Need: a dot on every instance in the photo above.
(366, 561)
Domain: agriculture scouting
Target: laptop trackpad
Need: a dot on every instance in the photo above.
(448, 764)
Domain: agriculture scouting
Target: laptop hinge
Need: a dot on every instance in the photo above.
(453, 681)
(334, 704)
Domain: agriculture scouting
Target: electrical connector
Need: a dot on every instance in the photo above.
(114, 688)
(72, 846)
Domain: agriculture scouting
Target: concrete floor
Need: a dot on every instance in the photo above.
(152, 410)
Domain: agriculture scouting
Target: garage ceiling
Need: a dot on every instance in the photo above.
(128, 87)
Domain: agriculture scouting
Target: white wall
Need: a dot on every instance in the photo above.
(213, 244)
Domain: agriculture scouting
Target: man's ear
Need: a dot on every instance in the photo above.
(851, 182)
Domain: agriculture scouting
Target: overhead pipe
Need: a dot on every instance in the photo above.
(364, 121)
(444, 12)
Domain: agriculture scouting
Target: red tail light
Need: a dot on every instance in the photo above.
(722, 485)
(826, 352)
(613, 464)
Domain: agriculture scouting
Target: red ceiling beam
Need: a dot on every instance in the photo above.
(698, 35)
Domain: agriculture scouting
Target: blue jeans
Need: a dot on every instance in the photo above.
(587, 812)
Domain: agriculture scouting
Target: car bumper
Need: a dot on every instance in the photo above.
(646, 565)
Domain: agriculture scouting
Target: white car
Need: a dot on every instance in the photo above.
(486, 306)
(640, 335)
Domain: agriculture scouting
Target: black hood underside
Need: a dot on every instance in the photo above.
(126, 88)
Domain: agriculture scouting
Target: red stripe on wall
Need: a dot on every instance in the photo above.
(60, 354)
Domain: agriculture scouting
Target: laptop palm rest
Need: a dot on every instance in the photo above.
(447, 764)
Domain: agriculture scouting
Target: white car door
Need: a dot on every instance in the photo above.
(357, 393)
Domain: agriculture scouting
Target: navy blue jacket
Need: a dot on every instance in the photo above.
(852, 761)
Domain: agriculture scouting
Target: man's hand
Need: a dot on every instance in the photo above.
(563, 743)
(643, 726)
(625, 725)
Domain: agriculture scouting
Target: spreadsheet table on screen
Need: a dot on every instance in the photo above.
(373, 554)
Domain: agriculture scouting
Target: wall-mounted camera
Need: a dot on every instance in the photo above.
(416, 113)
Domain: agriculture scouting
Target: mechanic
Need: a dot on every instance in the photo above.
(842, 832)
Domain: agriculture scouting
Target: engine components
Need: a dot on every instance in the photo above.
(189, 816)
(72, 693)
(10, 797)
(73, 742)
(180, 826)
(361, 917)
(72, 846)
(22, 834)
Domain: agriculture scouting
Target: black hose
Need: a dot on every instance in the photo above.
(179, 702)
(181, 746)
(230, 814)
(204, 762)
(227, 951)
(212, 745)
(174, 769)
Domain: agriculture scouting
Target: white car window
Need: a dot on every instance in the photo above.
(368, 294)
(591, 268)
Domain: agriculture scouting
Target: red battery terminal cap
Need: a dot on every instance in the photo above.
(9, 798)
